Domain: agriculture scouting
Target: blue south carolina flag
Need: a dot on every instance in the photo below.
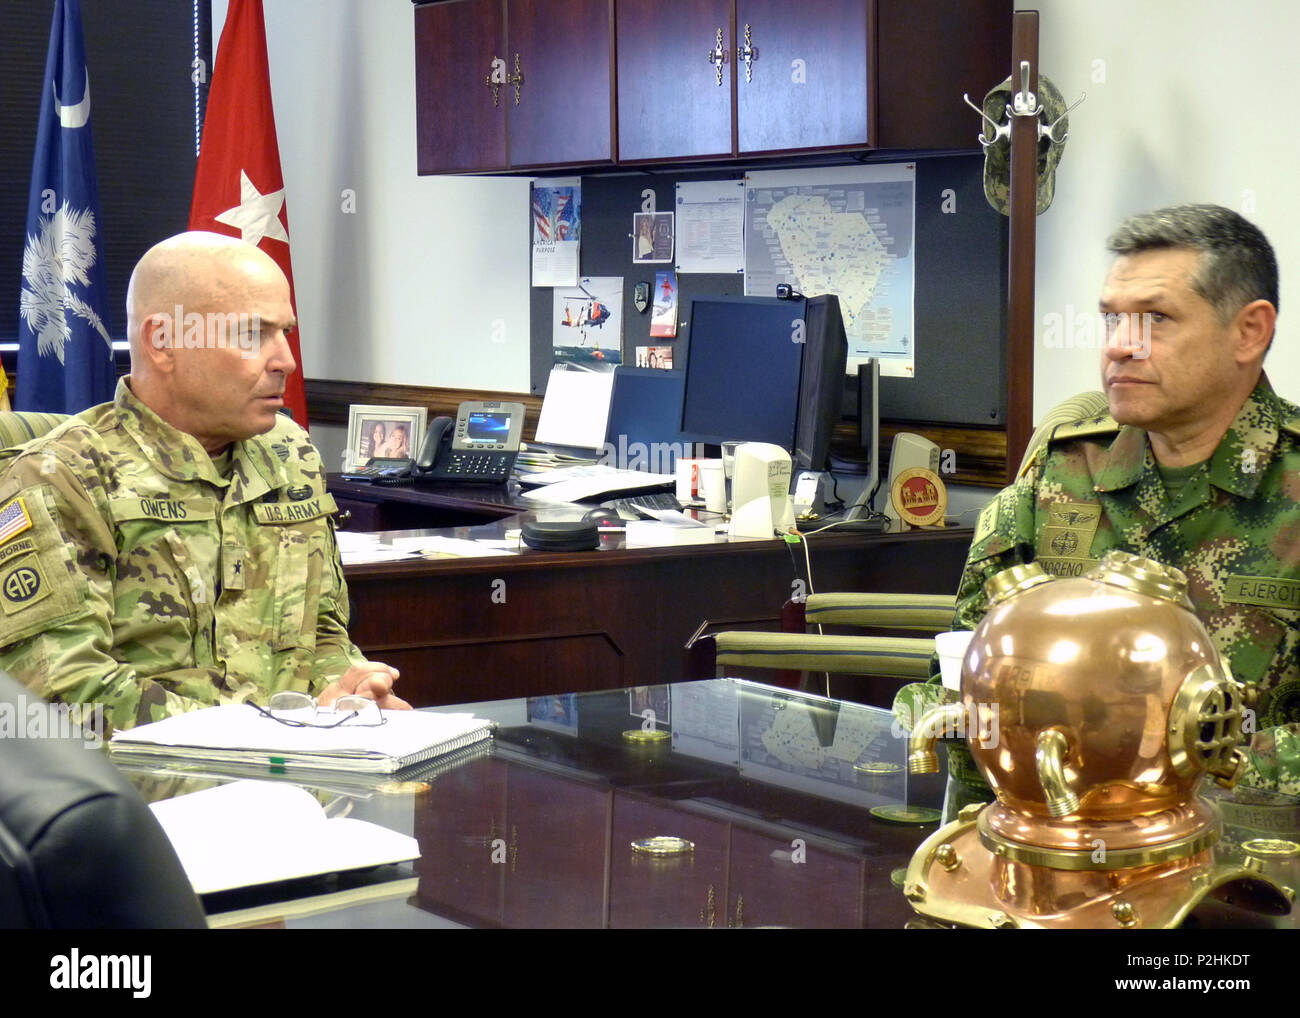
(65, 353)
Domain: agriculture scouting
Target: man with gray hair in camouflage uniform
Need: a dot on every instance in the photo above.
(173, 549)
(1197, 465)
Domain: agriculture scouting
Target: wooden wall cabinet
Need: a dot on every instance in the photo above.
(513, 84)
(697, 80)
(722, 78)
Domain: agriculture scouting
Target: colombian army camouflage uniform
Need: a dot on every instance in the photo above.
(132, 573)
(1234, 529)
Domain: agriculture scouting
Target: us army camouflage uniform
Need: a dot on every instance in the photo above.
(1234, 530)
(132, 573)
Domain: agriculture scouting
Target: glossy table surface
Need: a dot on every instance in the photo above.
(537, 830)
(769, 794)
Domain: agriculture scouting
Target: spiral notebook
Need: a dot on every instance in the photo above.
(237, 734)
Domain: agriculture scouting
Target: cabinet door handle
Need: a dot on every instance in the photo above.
(718, 56)
(748, 54)
(496, 77)
(517, 79)
(709, 913)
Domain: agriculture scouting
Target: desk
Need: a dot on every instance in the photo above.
(373, 507)
(548, 622)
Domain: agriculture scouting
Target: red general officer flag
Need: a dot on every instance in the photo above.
(238, 187)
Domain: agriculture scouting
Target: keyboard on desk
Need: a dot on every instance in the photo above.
(631, 508)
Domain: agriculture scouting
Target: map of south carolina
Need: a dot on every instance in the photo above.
(830, 252)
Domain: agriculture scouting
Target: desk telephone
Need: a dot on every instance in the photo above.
(478, 446)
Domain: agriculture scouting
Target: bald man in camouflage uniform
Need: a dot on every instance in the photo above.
(173, 549)
(1197, 465)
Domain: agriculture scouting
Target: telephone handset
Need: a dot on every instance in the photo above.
(477, 446)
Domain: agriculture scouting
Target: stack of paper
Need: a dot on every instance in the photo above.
(578, 483)
(241, 735)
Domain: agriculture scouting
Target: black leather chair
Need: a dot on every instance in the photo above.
(79, 849)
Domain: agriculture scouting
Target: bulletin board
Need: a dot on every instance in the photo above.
(960, 302)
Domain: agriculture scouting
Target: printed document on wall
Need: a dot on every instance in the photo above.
(710, 226)
(557, 231)
(849, 231)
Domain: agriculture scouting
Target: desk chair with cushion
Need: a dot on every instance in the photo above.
(19, 426)
(890, 660)
(79, 849)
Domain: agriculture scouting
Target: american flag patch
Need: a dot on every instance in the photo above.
(13, 520)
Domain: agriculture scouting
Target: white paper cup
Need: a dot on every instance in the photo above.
(952, 651)
(714, 486)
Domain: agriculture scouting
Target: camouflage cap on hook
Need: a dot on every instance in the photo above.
(997, 155)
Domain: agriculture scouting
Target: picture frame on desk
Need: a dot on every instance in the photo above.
(389, 431)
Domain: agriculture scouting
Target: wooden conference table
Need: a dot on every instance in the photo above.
(536, 623)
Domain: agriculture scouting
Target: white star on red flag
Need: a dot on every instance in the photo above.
(257, 215)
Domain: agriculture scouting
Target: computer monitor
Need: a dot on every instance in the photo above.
(821, 382)
(868, 400)
(742, 370)
(766, 370)
(645, 420)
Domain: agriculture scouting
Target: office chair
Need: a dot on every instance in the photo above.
(19, 426)
(79, 849)
(890, 660)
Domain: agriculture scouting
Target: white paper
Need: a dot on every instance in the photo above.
(247, 833)
(357, 547)
(588, 482)
(659, 533)
(575, 410)
(451, 546)
(710, 226)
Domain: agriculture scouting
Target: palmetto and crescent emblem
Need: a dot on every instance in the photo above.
(73, 116)
(56, 259)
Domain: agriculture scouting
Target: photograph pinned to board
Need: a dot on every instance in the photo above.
(587, 322)
(652, 237)
(557, 231)
(654, 357)
(663, 319)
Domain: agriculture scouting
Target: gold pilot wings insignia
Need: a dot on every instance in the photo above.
(1073, 516)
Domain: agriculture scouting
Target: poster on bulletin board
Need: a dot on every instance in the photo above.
(557, 231)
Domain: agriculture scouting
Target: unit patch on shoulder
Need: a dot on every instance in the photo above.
(14, 519)
(1064, 544)
(22, 585)
(987, 522)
